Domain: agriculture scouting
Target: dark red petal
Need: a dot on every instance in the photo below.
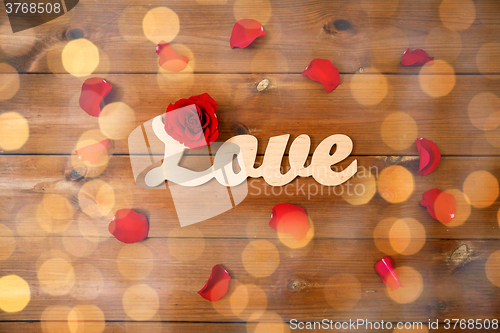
(93, 92)
(290, 219)
(388, 273)
(168, 59)
(245, 31)
(128, 226)
(430, 155)
(323, 71)
(417, 57)
(217, 284)
(441, 205)
(93, 153)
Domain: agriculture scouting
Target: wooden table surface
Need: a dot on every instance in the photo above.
(54, 223)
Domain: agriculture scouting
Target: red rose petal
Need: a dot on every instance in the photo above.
(168, 59)
(441, 205)
(245, 31)
(323, 71)
(129, 226)
(417, 57)
(93, 92)
(217, 284)
(388, 273)
(430, 155)
(93, 153)
(290, 219)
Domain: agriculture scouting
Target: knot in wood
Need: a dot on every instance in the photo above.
(295, 285)
(263, 85)
(73, 34)
(335, 26)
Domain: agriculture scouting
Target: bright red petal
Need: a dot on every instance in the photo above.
(290, 219)
(217, 284)
(417, 57)
(93, 92)
(430, 155)
(128, 226)
(245, 31)
(93, 153)
(388, 273)
(441, 205)
(323, 71)
(168, 59)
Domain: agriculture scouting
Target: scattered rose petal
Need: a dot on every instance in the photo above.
(94, 153)
(323, 71)
(217, 284)
(430, 155)
(128, 226)
(168, 59)
(290, 219)
(441, 205)
(245, 31)
(388, 273)
(93, 92)
(417, 57)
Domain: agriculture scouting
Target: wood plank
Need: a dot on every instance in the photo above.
(352, 34)
(292, 105)
(26, 179)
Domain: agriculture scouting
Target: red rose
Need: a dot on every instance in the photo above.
(192, 121)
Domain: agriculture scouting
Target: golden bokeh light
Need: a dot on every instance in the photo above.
(14, 130)
(272, 322)
(395, 184)
(183, 81)
(95, 168)
(56, 276)
(493, 137)
(80, 57)
(27, 225)
(89, 282)
(457, 14)
(437, 78)
(492, 268)
(368, 88)
(117, 120)
(399, 131)
(141, 302)
(55, 319)
(16, 44)
(223, 305)
(443, 43)
(488, 60)
(182, 250)
(77, 246)
(405, 236)
(9, 82)
(94, 230)
(481, 187)
(248, 302)
(7, 242)
(289, 241)
(15, 293)
(260, 258)
(54, 213)
(390, 38)
(484, 111)
(343, 291)
(259, 10)
(135, 261)
(357, 197)
(413, 286)
(376, 8)
(86, 319)
(160, 23)
(463, 209)
(96, 198)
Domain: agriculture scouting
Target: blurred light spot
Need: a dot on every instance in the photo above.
(16, 44)
(14, 130)
(484, 111)
(463, 208)
(368, 88)
(381, 235)
(160, 23)
(271, 322)
(457, 14)
(248, 302)
(56, 276)
(377, 8)
(395, 184)
(388, 46)
(488, 60)
(493, 137)
(260, 258)
(55, 319)
(413, 286)
(130, 23)
(492, 268)
(481, 187)
(94, 230)
(259, 10)
(362, 190)
(407, 236)
(343, 291)
(443, 43)
(288, 240)
(399, 131)
(7, 242)
(88, 283)
(186, 244)
(135, 261)
(223, 305)
(90, 169)
(437, 78)
(117, 120)
(141, 302)
(9, 82)
(181, 82)
(15, 293)
(77, 246)
(55, 213)
(86, 319)
(96, 198)
(269, 61)
(27, 225)
(80, 57)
